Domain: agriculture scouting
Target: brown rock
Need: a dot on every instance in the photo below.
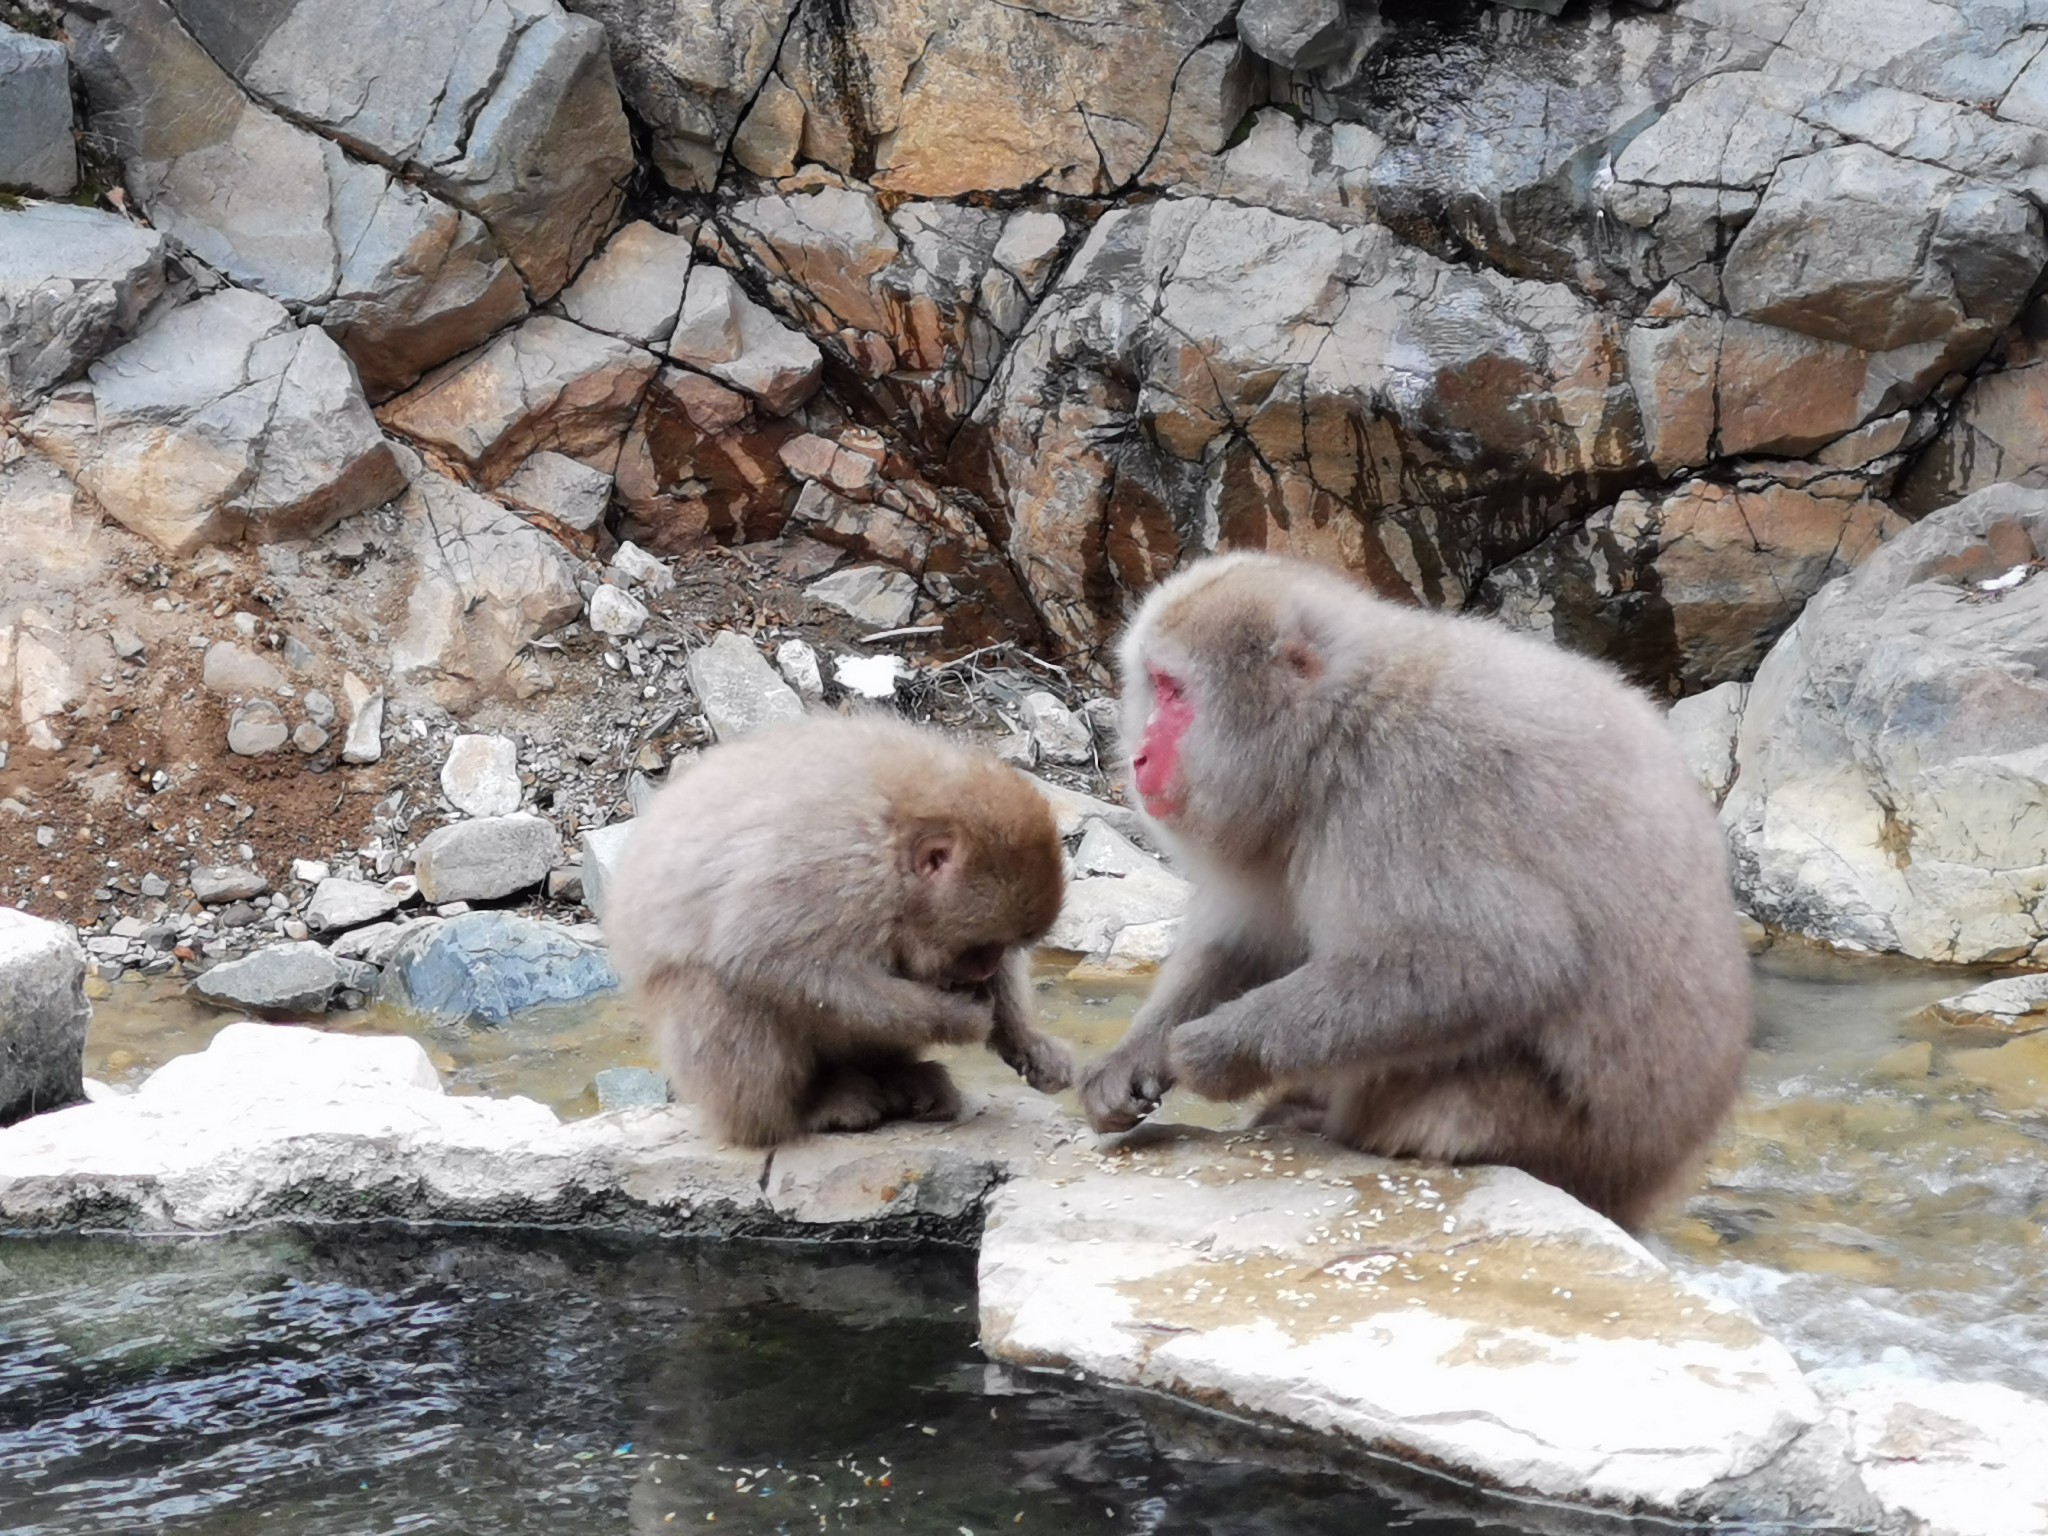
(548, 384)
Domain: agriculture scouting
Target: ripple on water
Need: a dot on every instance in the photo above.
(330, 1383)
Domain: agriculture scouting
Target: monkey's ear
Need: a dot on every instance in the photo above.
(1301, 649)
(932, 853)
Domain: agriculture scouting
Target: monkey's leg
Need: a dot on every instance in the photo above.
(1489, 1112)
(1401, 996)
(731, 1054)
(1127, 1084)
(1036, 1057)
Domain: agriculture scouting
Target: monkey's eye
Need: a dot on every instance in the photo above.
(1165, 687)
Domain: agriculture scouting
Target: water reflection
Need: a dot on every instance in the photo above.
(330, 1384)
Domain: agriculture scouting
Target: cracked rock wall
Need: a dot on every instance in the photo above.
(1635, 323)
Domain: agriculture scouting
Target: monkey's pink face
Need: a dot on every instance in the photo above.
(1155, 766)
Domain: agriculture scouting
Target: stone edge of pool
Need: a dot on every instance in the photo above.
(1473, 1322)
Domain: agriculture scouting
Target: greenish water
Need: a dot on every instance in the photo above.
(1880, 1199)
(335, 1382)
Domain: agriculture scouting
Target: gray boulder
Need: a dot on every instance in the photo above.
(738, 690)
(545, 384)
(37, 152)
(484, 859)
(404, 278)
(218, 884)
(572, 493)
(340, 903)
(1295, 34)
(634, 286)
(727, 335)
(73, 282)
(257, 728)
(601, 847)
(283, 981)
(43, 1014)
(1891, 774)
(223, 421)
(879, 595)
(490, 966)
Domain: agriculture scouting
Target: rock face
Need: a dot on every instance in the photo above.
(488, 966)
(487, 583)
(222, 421)
(73, 282)
(1891, 788)
(43, 1014)
(512, 119)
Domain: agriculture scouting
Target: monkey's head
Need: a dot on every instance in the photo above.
(1228, 690)
(979, 852)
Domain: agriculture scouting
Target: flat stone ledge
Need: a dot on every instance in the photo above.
(1475, 1321)
(282, 1123)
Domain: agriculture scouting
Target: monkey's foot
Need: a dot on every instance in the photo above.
(918, 1090)
(1041, 1061)
(849, 1100)
(1298, 1109)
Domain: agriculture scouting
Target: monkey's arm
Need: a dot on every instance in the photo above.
(1033, 1055)
(1411, 991)
(856, 993)
(1201, 973)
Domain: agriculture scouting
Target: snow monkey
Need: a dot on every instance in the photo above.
(804, 910)
(1457, 896)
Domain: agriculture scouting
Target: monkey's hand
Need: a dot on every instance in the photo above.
(1039, 1059)
(1216, 1061)
(1123, 1088)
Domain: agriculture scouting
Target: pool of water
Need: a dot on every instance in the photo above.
(1877, 1206)
(343, 1382)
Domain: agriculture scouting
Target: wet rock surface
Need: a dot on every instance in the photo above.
(488, 966)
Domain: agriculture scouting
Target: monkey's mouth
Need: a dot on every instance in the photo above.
(1163, 806)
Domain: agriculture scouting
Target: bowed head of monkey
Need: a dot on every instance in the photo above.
(1457, 895)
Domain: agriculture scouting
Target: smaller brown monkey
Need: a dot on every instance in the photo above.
(802, 912)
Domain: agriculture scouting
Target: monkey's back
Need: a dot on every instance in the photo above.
(1527, 757)
(778, 840)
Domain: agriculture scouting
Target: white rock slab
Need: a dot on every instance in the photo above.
(275, 1121)
(1950, 1458)
(1471, 1319)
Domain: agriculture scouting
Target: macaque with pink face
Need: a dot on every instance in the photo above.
(1457, 895)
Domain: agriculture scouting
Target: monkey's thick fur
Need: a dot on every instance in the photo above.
(1458, 896)
(804, 910)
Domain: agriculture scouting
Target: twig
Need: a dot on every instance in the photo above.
(904, 634)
